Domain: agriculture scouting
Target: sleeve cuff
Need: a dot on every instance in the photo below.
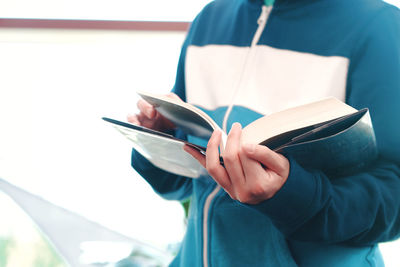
(140, 163)
(294, 202)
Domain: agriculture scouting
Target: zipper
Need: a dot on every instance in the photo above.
(206, 208)
(262, 21)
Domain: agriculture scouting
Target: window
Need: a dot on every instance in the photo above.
(138, 10)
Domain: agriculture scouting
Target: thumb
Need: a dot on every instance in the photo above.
(270, 159)
(174, 96)
(147, 109)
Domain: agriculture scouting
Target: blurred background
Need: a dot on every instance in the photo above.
(68, 195)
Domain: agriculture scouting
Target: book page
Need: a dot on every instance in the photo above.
(295, 118)
(163, 152)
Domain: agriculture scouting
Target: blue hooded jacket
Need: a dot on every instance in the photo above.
(252, 60)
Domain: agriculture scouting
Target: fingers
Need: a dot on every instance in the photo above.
(174, 96)
(252, 173)
(231, 155)
(146, 109)
(133, 118)
(196, 154)
(146, 117)
(149, 117)
(270, 159)
(262, 183)
(251, 168)
(213, 165)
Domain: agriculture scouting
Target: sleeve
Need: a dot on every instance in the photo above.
(363, 208)
(168, 185)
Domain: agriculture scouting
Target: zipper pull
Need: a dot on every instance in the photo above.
(262, 21)
(264, 14)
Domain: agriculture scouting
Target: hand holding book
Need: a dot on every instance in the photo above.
(150, 118)
(251, 173)
(327, 134)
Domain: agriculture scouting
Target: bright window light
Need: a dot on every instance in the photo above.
(156, 10)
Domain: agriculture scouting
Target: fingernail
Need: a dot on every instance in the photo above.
(131, 118)
(149, 113)
(236, 125)
(215, 133)
(249, 148)
(185, 147)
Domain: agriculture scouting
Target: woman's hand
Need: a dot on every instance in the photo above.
(149, 117)
(252, 173)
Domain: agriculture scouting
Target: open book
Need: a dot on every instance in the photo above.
(328, 135)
